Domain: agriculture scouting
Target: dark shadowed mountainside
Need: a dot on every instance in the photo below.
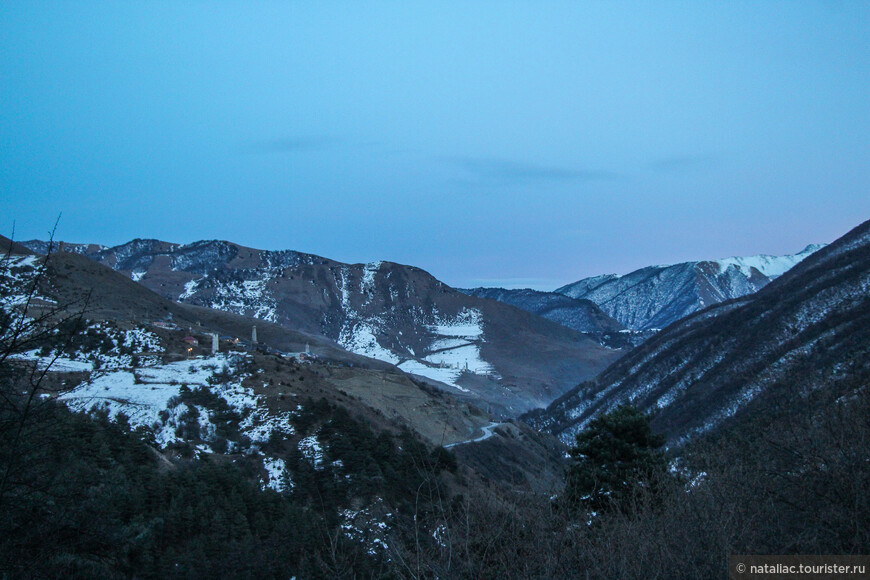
(807, 330)
(581, 315)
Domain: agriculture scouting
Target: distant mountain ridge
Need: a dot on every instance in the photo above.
(502, 358)
(656, 296)
(580, 314)
(807, 330)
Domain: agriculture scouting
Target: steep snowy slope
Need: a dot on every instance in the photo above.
(657, 296)
(809, 329)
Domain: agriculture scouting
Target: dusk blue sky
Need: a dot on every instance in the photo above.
(488, 142)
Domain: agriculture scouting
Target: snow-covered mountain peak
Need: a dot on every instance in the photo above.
(770, 266)
(656, 296)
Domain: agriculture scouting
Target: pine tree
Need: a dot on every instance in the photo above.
(617, 459)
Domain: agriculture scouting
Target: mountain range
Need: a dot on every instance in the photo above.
(492, 354)
(656, 296)
(807, 330)
(137, 353)
(349, 411)
(579, 314)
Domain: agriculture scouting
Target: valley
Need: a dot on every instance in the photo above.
(343, 388)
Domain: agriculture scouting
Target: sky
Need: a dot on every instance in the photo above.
(491, 143)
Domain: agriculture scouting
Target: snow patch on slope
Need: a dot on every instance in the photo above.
(139, 394)
(147, 396)
(137, 342)
(367, 285)
(311, 450)
(360, 338)
(445, 375)
(248, 297)
(54, 362)
(189, 288)
(279, 477)
(465, 358)
(467, 324)
(455, 350)
(17, 276)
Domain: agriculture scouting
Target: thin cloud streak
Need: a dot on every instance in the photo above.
(500, 171)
